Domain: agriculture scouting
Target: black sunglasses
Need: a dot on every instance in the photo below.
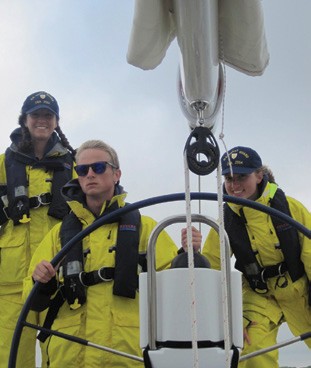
(97, 167)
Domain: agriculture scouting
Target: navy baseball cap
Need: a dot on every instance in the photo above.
(244, 160)
(40, 100)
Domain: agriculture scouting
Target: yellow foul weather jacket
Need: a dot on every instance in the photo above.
(105, 319)
(19, 242)
(285, 300)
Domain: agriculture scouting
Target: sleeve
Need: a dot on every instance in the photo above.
(303, 216)
(3, 192)
(2, 170)
(47, 249)
(166, 249)
(211, 249)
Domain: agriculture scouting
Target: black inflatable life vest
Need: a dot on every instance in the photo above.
(246, 260)
(15, 203)
(124, 274)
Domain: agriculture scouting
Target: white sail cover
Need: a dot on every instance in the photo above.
(241, 29)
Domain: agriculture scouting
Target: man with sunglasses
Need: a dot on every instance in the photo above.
(99, 279)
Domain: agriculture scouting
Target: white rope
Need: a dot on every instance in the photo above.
(221, 134)
(225, 279)
(194, 327)
(199, 205)
(223, 256)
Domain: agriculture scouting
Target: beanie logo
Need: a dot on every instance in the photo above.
(234, 155)
(42, 97)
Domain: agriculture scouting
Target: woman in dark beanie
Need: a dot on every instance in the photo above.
(37, 164)
(274, 258)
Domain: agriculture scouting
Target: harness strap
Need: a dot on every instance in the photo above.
(4, 205)
(55, 306)
(246, 260)
(273, 271)
(43, 199)
(104, 274)
(17, 183)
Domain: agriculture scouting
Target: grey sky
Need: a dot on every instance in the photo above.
(76, 50)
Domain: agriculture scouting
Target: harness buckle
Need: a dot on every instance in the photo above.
(42, 200)
(280, 269)
(103, 278)
(262, 275)
(80, 278)
(273, 271)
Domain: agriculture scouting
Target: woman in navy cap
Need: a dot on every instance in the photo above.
(274, 258)
(37, 164)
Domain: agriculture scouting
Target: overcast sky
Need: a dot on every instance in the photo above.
(76, 50)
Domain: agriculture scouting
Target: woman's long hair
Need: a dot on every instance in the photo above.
(267, 172)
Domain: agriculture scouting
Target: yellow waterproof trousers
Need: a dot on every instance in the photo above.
(263, 334)
(10, 307)
(288, 304)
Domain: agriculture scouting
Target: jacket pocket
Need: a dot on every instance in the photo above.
(124, 319)
(302, 289)
(125, 332)
(125, 311)
(62, 352)
(67, 318)
(13, 255)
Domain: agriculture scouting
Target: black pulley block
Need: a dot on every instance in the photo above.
(202, 151)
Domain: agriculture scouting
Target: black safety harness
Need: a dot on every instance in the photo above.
(14, 201)
(76, 280)
(246, 260)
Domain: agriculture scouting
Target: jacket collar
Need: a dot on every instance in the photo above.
(267, 191)
(75, 198)
(53, 147)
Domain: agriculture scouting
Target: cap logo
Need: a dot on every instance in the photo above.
(40, 100)
(244, 160)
